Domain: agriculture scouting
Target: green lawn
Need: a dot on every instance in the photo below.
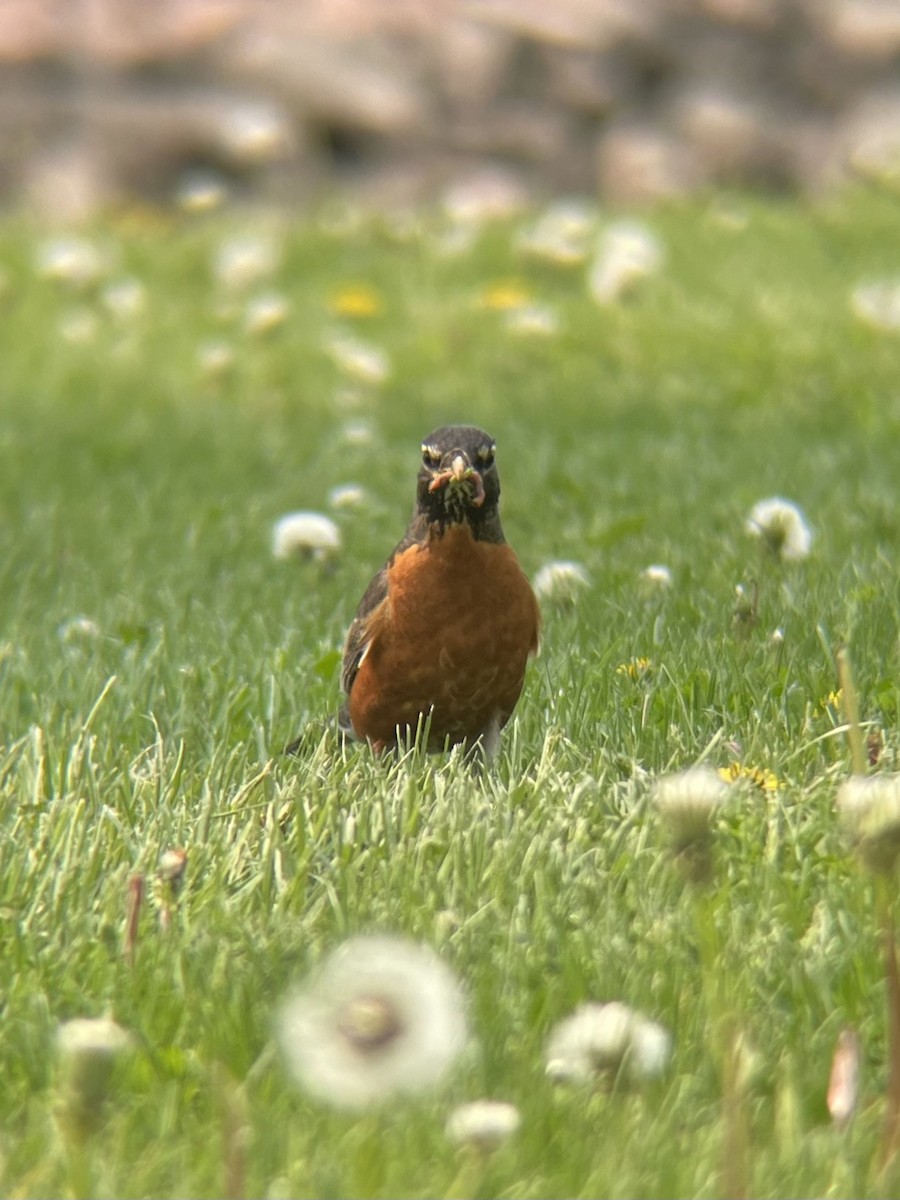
(139, 483)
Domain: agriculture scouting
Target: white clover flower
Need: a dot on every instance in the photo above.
(358, 359)
(628, 252)
(483, 1123)
(305, 535)
(869, 806)
(534, 320)
(782, 527)
(71, 260)
(604, 1039)
(878, 305)
(201, 192)
(242, 261)
(382, 1016)
(347, 495)
(88, 1049)
(560, 582)
(686, 800)
(124, 298)
(215, 358)
(265, 313)
(657, 576)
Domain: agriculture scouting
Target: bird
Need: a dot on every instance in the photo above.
(440, 642)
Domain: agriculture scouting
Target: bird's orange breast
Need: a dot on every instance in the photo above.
(451, 640)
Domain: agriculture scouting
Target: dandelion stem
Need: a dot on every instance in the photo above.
(890, 1142)
(850, 704)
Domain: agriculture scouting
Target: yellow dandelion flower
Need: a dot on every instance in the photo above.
(765, 780)
(505, 297)
(635, 668)
(356, 300)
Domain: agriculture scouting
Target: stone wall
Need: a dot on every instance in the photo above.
(107, 101)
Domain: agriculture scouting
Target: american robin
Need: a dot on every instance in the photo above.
(444, 631)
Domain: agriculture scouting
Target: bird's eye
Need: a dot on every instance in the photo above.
(431, 456)
(486, 456)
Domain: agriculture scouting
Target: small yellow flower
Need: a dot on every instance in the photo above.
(356, 300)
(766, 781)
(635, 668)
(833, 701)
(505, 297)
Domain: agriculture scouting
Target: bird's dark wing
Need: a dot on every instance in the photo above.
(359, 635)
(371, 611)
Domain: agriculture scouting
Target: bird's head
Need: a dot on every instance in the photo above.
(458, 480)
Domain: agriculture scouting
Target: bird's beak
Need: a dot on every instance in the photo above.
(459, 472)
(459, 469)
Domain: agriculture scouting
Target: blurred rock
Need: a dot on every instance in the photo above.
(108, 101)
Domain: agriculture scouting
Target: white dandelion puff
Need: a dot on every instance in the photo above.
(88, 1048)
(78, 629)
(256, 133)
(534, 320)
(382, 1016)
(79, 327)
(201, 192)
(560, 582)
(265, 313)
(215, 358)
(560, 234)
(628, 252)
(359, 360)
(606, 1039)
(71, 260)
(869, 807)
(657, 576)
(124, 298)
(485, 1124)
(878, 305)
(305, 535)
(347, 495)
(687, 800)
(782, 527)
(241, 262)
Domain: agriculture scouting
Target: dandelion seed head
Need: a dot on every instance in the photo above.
(782, 527)
(483, 1123)
(686, 800)
(869, 807)
(240, 262)
(604, 1039)
(359, 360)
(382, 1016)
(78, 629)
(70, 260)
(628, 252)
(201, 192)
(305, 535)
(534, 320)
(215, 358)
(878, 305)
(256, 133)
(560, 582)
(347, 495)
(657, 576)
(79, 327)
(265, 313)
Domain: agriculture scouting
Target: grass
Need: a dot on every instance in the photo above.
(138, 490)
